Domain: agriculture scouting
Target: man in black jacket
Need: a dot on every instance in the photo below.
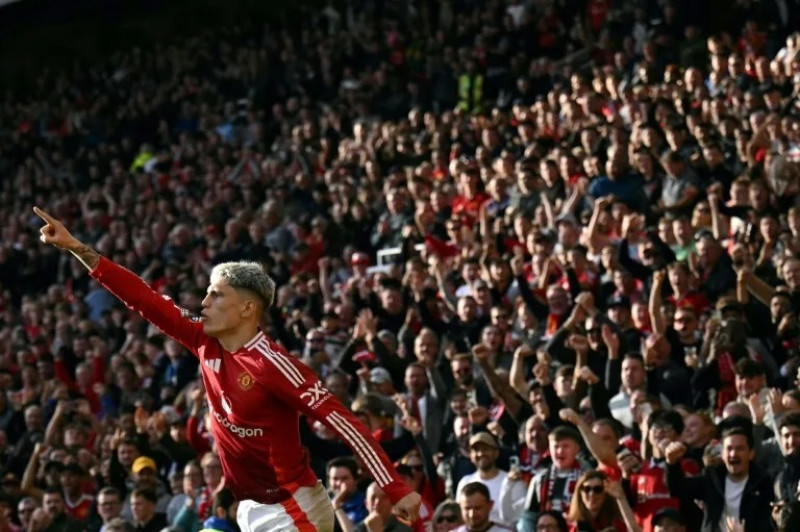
(738, 488)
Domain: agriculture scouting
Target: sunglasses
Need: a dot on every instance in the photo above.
(415, 468)
(597, 490)
(447, 519)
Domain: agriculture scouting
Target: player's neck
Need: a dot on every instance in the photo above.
(233, 340)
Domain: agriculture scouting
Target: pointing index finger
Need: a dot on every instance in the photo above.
(43, 215)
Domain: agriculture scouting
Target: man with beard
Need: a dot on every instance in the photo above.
(738, 488)
(477, 507)
(484, 452)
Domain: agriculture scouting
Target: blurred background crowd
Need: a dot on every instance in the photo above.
(547, 250)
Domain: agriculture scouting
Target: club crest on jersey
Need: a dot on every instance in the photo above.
(245, 381)
(316, 395)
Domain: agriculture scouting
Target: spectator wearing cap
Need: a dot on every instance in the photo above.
(143, 511)
(484, 452)
(348, 500)
(380, 383)
(144, 476)
(738, 488)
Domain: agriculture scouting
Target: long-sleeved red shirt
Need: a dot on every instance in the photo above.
(256, 396)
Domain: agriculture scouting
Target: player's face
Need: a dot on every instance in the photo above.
(224, 308)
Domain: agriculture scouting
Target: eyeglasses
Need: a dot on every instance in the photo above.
(447, 519)
(597, 490)
(416, 468)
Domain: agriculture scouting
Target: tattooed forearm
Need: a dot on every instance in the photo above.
(88, 257)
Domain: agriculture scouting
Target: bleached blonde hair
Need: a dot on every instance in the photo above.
(249, 276)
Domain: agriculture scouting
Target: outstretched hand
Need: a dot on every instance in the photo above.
(54, 232)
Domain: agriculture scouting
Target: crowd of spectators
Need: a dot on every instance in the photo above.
(547, 250)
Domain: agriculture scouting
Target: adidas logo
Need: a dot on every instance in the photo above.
(213, 363)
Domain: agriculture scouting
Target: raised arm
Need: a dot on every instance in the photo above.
(761, 290)
(500, 389)
(125, 285)
(601, 452)
(654, 305)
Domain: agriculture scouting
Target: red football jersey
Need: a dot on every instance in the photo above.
(256, 396)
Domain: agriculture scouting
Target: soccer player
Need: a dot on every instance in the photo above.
(256, 391)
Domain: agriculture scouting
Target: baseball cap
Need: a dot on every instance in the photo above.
(668, 513)
(379, 375)
(484, 438)
(618, 300)
(567, 217)
(143, 462)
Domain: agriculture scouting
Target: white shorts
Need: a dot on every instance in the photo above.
(309, 510)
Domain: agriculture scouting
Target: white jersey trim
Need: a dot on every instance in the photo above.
(368, 454)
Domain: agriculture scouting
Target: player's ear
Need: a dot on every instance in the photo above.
(251, 307)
